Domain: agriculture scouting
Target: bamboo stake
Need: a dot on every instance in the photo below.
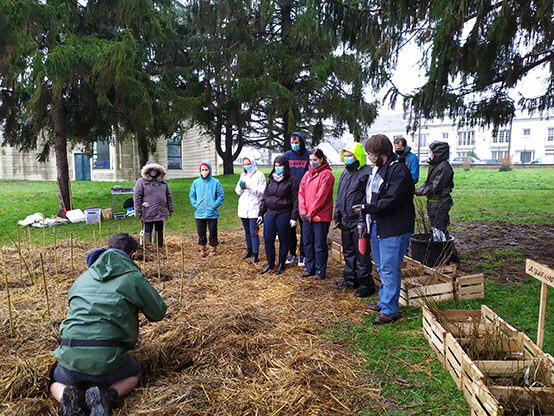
(29, 248)
(109, 232)
(118, 228)
(158, 259)
(144, 248)
(43, 232)
(19, 252)
(72, 267)
(45, 287)
(55, 252)
(182, 272)
(30, 240)
(7, 291)
(94, 237)
(100, 227)
(21, 258)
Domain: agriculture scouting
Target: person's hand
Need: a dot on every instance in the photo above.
(242, 185)
(358, 208)
(292, 223)
(260, 221)
(337, 225)
(170, 213)
(304, 217)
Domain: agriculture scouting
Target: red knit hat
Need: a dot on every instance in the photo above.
(204, 164)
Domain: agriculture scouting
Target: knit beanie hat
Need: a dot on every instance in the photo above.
(204, 164)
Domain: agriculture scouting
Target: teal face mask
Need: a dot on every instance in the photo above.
(279, 170)
(295, 147)
(349, 160)
(247, 168)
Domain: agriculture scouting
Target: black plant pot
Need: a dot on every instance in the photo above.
(429, 252)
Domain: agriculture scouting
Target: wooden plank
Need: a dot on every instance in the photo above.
(461, 315)
(538, 271)
(454, 356)
(473, 289)
(442, 288)
(416, 302)
(476, 392)
(542, 315)
(503, 368)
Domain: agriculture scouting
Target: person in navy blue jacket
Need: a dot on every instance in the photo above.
(299, 161)
(206, 195)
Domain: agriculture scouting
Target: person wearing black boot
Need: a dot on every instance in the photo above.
(352, 187)
(153, 201)
(278, 212)
(250, 187)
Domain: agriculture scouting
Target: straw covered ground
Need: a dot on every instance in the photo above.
(258, 342)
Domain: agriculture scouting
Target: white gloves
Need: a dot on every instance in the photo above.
(292, 223)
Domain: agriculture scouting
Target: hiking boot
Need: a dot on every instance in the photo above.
(383, 318)
(97, 402)
(69, 402)
(306, 274)
(281, 265)
(301, 261)
(203, 251)
(364, 291)
(374, 308)
(248, 254)
(319, 277)
(255, 258)
(212, 251)
(290, 259)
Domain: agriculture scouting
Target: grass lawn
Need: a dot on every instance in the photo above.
(396, 356)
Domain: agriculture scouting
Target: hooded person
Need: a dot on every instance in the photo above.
(250, 187)
(152, 200)
(206, 196)
(404, 153)
(299, 158)
(278, 211)
(101, 326)
(438, 188)
(352, 191)
(315, 207)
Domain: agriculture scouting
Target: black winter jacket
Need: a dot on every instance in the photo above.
(280, 198)
(392, 202)
(352, 187)
(440, 179)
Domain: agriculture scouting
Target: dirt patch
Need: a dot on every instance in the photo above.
(500, 248)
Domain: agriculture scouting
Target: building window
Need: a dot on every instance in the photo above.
(174, 155)
(445, 136)
(526, 132)
(101, 156)
(550, 136)
(502, 136)
(462, 154)
(466, 138)
(498, 154)
(423, 138)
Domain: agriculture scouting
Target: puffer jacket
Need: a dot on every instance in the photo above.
(280, 198)
(206, 196)
(315, 196)
(152, 198)
(104, 303)
(250, 197)
(440, 178)
(352, 187)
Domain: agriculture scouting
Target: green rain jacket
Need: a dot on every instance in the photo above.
(103, 305)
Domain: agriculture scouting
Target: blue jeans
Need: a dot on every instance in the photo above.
(252, 239)
(316, 251)
(68, 377)
(388, 254)
(272, 227)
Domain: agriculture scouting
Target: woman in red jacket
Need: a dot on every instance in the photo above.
(315, 206)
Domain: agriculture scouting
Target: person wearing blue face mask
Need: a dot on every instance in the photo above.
(279, 212)
(352, 186)
(250, 187)
(298, 157)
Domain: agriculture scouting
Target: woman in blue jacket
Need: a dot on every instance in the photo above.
(206, 195)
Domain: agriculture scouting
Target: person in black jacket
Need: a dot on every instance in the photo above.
(279, 205)
(437, 188)
(390, 216)
(352, 185)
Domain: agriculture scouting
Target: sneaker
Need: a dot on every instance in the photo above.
(301, 261)
(290, 259)
(97, 402)
(70, 402)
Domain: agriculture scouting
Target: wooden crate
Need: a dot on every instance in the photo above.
(469, 286)
(476, 378)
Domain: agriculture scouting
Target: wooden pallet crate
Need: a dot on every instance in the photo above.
(475, 379)
(468, 286)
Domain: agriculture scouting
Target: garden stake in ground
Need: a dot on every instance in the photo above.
(45, 286)
(71, 255)
(7, 290)
(56, 252)
(546, 276)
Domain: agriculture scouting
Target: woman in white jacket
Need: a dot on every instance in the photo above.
(250, 187)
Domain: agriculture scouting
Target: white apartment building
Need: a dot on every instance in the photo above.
(529, 138)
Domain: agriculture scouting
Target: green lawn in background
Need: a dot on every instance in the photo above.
(398, 357)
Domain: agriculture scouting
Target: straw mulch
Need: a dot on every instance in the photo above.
(258, 342)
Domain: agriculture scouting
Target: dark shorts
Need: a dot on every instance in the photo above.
(68, 377)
